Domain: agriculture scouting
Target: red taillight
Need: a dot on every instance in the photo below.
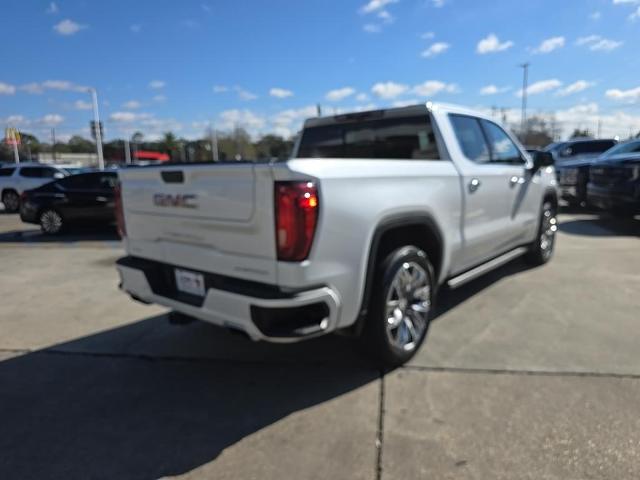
(296, 205)
(122, 229)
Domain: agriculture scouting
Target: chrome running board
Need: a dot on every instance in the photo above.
(476, 272)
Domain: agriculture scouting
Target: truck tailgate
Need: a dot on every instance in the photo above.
(211, 218)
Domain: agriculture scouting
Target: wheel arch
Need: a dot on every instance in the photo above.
(414, 228)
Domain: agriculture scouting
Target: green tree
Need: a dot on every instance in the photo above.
(78, 144)
(577, 133)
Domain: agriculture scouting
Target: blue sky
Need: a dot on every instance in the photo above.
(161, 65)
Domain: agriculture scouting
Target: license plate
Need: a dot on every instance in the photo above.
(190, 282)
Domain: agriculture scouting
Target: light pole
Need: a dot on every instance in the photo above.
(525, 81)
(96, 119)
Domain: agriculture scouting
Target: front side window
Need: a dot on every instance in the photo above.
(471, 138)
(409, 137)
(503, 150)
(6, 172)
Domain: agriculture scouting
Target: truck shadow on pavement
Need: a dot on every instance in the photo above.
(114, 405)
(79, 234)
(151, 399)
(602, 226)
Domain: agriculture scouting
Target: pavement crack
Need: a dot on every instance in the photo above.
(506, 371)
(380, 432)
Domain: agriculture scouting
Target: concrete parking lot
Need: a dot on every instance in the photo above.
(526, 373)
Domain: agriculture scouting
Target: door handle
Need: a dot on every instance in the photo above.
(474, 184)
(514, 180)
(102, 199)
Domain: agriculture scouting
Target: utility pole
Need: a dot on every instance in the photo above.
(127, 149)
(214, 142)
(53, 144)
(96, 119)
(599, 127)
(319, 110)
(525, 82)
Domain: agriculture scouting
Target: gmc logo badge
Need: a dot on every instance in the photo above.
(178, 201)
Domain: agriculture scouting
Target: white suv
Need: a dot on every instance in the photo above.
(16, 178)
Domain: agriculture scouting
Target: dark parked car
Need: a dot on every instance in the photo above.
(78, 199)
(572, 160)
(615, 181)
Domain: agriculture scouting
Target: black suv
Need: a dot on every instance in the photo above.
(615, 181)
(572, 160)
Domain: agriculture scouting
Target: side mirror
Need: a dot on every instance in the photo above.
(541, 160)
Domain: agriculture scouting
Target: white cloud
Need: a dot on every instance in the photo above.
(52, 119)
(493, 90)
(362, 97)
(438, 3)
(159, 98)
(436, 49)
(206, 7)
(605, 45)
(492, 44)
(550, 44)
(635, 15)
(220, 89)
(52, 8)
(6, 89)
(406, 103)
(32, 88)
(541, 87)
(136, 28)
(339, 94)
(595, 16)
(622, 2)
(389, 90)
(632, 95)
(157, 84)
(597, 43)
(82, 105)
(427, 35)
(131, 104)
(63, 85)
(433, 87)
(385, 16)
(245, 95)
(575, 87)
(280, 92)
(246, 119)
(128, 117)
(372, 28)
(374, 5)
(68, 27)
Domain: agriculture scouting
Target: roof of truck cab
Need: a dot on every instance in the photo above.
(409, 110)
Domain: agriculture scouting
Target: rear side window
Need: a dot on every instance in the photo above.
(6, 172)
(591, 147)
(471, 138)
(31, 172)
(408, 137)
(75, 182)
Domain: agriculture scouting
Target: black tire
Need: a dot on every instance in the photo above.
(377, 338)
(541, 250)
(51, 222)
(11, 201)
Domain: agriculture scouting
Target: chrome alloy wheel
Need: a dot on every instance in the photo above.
(407, 306)
(548, 230)
(51, 222)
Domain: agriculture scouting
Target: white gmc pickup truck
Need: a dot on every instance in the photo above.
(354, 233)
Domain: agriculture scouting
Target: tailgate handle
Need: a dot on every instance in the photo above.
(172, 176)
